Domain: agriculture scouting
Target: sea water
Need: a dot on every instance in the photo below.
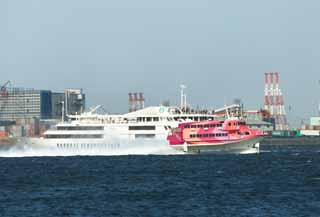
(281, 181)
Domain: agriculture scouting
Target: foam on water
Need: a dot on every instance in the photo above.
(137, 147)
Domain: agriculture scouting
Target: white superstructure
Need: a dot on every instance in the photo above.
(91, 130)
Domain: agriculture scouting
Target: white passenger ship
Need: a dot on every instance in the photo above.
(95, 131)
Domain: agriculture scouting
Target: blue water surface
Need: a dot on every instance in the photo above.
(281, 181)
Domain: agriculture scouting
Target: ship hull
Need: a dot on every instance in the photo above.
(105, 146)
(248, 146)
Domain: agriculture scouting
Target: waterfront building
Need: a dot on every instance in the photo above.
(22, 103)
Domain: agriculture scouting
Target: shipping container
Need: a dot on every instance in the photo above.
(297, 133)
(310, 132)
(3, 134)
(284, 133)
(16, 131)
(315, 121)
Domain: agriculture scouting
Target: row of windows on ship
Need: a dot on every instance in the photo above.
(203, 126)
(157, 119)
(208, 135)
(87, 146)
(97, 128)
(214, 125)
(76, 136)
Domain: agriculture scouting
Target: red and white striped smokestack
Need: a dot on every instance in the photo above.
(271, 77)
(266, 80)
(271, 93)
(135, 97)
(274, 100)
(277, 84)
(130, 97)
(131, 106)
(136, 101)
(266, 92)
(283, 110)
(266, 103)
(141, 100)
(278, 105)
(277, 77)
(272, 105)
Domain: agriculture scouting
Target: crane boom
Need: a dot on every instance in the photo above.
(3, 87)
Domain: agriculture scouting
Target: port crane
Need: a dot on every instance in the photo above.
(3, 89)
(4, 95)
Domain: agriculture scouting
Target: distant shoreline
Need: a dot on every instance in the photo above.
(291, 141)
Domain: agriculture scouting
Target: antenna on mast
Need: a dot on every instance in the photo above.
(183, 98)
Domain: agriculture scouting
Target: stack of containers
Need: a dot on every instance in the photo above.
(3, 132)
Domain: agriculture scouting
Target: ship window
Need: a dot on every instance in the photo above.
(142, 127)
(145, 136)
(206, 126)
(156, 119)
(77, 136)
(187, 126)
(193, 126)
(80, 128)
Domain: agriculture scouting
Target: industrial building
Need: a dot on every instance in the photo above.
(21, 103)
(18, 103)
(30, 112)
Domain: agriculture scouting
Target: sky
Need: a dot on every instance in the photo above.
(219, 49)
